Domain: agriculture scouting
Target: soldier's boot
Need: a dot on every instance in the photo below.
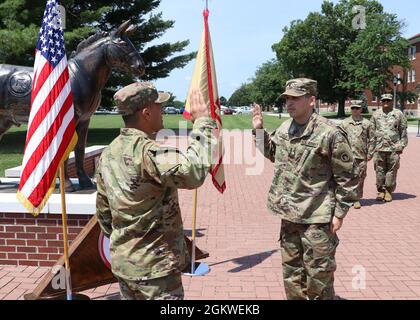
(357, 205)
(381, 196)
(388, 197)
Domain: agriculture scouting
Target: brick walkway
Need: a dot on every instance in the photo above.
(381, 239)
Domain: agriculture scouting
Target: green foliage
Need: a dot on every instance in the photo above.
(326, 47)
(172, 102)
(406, 96)
(20, 21)
(268, 83)
(242, 96)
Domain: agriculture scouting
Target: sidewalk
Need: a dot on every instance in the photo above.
(381, 242)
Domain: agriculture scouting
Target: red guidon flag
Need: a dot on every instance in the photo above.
(204, 78)
(51, 132)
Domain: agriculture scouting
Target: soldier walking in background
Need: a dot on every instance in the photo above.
(312, 190)
(361, 137)
(390, 140)
(137, 201)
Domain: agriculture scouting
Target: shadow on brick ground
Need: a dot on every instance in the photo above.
(248, 262)
(395, 196)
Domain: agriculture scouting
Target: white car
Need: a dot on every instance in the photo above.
(244, 110)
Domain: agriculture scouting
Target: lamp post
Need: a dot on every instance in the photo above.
(396, 81)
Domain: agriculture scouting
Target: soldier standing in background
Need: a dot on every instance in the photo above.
(312, 190)
(137, 201)
(390, 131)
(361, 137)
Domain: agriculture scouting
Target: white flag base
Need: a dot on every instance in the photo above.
(201, 269)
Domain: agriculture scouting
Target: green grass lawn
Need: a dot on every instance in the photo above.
(105, 128)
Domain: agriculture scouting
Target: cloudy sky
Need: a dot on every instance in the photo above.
(243, 32)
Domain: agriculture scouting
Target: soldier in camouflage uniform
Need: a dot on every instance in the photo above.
(390, 128)
(137, 200)
(312, 190)
(361, 137)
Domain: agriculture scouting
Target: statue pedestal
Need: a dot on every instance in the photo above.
(26, 240)
(92, 155)
(29, 241)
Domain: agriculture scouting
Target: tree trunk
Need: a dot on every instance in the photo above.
(279, 106)
(341, 108)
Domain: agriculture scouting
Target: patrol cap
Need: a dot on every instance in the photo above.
(137, 96)
(356, 104)
(387, 96)
(300, 87)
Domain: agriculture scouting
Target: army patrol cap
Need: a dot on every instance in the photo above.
(300, 87)
(356, 104)
(387, 96)
(137, 96)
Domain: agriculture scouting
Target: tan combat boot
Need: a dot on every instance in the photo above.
(388, 197)
(357, 205)
(381, 196)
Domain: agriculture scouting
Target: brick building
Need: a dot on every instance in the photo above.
(411, 79)
(411, 82)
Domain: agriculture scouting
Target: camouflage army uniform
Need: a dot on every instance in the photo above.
(313, 181)
(138, 209)
(390, 131)
(361, 137)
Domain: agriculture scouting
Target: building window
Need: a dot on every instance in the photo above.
(413, 75)
(409, 76)
(412, 51)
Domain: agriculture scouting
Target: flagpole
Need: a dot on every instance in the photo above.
(194, 223)
(65, 235)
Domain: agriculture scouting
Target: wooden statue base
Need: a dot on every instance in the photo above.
(88, 270)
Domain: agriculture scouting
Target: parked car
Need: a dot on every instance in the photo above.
(170, 110)
(244, 110)
(228, 111)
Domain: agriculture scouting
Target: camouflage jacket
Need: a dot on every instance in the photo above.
(314, 178)
(390, 131)
(361, 137)
(137, 200)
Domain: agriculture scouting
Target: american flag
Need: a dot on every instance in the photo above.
(51, 132)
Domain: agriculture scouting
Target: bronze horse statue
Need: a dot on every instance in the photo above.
(90, 67)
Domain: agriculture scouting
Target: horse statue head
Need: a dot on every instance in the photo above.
(122, 54)
(113, 50)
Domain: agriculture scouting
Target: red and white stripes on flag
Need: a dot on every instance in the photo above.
(51, 132)
(204, 78)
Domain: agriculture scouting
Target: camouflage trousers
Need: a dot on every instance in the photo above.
(386, 167)
(308, 260)
(166, 288)
(361, 171)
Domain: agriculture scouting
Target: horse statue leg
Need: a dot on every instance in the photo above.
(82, 130)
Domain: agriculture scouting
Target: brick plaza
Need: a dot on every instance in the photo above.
(380, 243)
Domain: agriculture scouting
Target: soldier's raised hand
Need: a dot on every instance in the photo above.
(257, 117)
(199, 108)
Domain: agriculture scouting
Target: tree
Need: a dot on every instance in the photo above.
(242, 96)
(223, 101)
(327, 47)
(406, 96)
(172, 102)
(369, 59)
(20, 22)
(269, 82)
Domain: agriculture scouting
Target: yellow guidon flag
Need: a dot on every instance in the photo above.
(204, 78)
